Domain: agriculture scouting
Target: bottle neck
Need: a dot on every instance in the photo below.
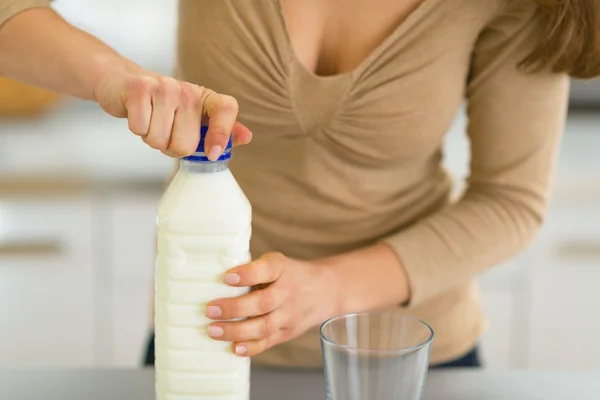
(203, 167)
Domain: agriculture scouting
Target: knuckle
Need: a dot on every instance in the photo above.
(157, 140)
(220, 133)
(170, 154)
(142, 85)
(236, 308)
(179, 149)
(162, 146)
(268, 326)
(203, 91)
(155, 143)
(229, 103)
(267, 300)
(188, 98)
(169, 89)
(240, 331)
(168, 81)
(264, 327)
(188, 148)
(175, 152)
(204, 95)
(137, 129)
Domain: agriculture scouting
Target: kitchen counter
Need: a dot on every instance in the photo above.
(301, 385)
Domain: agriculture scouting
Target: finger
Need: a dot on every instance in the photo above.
(165, 102)
(138, 102)
(252, 304)
(186, 126)
(241, 134)
(253, 347)
(264, 270)
(249, 329)
(221, 111)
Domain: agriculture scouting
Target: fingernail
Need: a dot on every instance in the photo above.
(215, 331)
(232, 279)
(214, 152)
(240, 349)
(213, 311)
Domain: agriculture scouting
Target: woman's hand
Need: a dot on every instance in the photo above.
(288, 298)
(167, 113)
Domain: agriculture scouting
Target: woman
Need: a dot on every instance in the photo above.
(349, 107)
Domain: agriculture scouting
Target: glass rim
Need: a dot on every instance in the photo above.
(405, 350)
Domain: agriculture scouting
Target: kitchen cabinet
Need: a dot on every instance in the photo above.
(46, 284)
(76, 285)
(504, 298)
(76, 280)
(93, 296)
(133, 227)
(565, 282)
(495, 344)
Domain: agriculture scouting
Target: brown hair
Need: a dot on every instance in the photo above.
(571, 41)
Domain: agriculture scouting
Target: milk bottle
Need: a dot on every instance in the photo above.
(203, 230)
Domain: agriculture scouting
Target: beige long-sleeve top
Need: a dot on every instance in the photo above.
(346, 161)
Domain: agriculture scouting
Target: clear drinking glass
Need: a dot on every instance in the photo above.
(375, 356)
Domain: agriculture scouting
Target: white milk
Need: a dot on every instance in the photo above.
(203, 230)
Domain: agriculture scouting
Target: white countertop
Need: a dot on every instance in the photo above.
(303, 385)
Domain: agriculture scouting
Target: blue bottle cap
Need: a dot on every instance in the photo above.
(200, 156)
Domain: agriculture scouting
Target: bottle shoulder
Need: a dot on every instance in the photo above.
(214, 200)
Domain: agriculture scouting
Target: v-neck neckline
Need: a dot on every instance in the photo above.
(404, 25)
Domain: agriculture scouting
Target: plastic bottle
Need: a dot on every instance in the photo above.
(203, 230)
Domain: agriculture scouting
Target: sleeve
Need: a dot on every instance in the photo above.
(10, 8)
(516, 119)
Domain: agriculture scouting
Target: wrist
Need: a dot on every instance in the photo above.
(332, 284)
(363, 280)
(107, 68)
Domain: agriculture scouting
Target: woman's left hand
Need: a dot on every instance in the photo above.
(288, 297)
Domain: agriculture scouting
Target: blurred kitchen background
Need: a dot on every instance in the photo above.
(78, 195)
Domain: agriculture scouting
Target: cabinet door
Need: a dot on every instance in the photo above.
(46, 288)
(495, 344)
(133, 224)
(506, 277)
(504, 295)
(565, 322)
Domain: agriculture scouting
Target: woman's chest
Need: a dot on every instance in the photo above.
(334, 36)
(395, 105)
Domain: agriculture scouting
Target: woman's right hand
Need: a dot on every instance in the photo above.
(168, 113)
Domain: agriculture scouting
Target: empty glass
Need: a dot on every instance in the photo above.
(375, 356)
